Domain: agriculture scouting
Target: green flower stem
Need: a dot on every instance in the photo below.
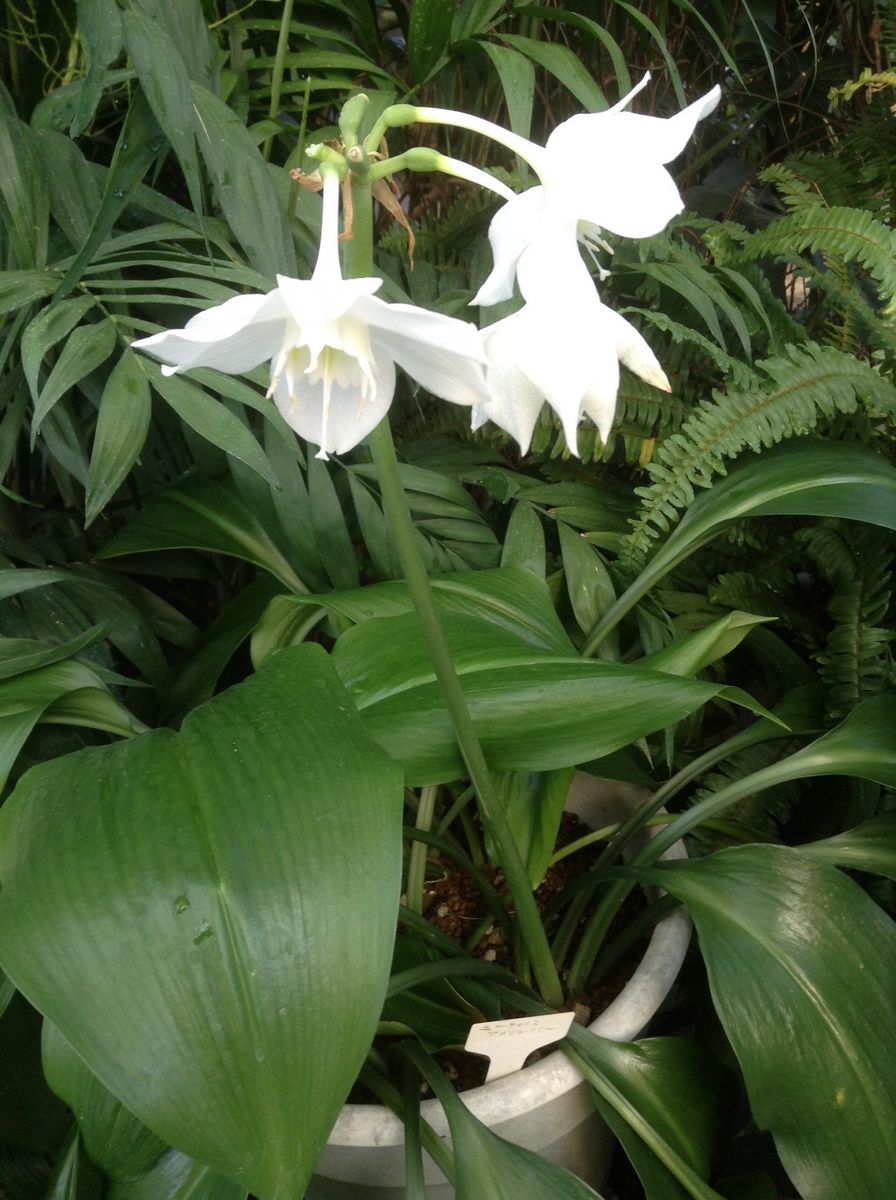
(277, 76)
(359, 263)
(422, 158)
(417, 862)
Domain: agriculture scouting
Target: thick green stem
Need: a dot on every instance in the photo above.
(359, 263)
(417, 862)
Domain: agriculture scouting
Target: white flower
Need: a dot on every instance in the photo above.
(603, 170)
(563, 347)
(332, 345)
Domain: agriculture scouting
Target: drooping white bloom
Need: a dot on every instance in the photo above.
(564, 347)
(332, 346)
(603, 170)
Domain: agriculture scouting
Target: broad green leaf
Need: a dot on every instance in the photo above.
(99, 28)
(664, 1098)
(113, 1139)
(18, 655)
(204, 517)
(533, 709)
(50, 325)
(121, 428)
(689, 654)
(85, 350)
(177, 1177)
(243, 186)
(802, 968)
(75, 191)
(72, 1178)
(512, 599)
(533, 803)
(871, 847)
(798, 478)
(488, 1165)
(233, 887)
(163, 77)
(18, 289)
(213, 421)
(524, 540)
(7, 991)
(15, 580)
(429, 35)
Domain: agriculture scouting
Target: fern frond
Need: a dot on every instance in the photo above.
(788, 398)
(857, 659)
(852, 234)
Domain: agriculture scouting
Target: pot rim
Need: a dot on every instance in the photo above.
(552, 1076)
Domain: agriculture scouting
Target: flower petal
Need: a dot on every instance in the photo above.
(633, 351)
(314, 303)
(515, 401)
(349, 417)
(232, 337)
(443, 354)
(509, 233)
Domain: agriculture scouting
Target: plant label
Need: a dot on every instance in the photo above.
(509, 1043)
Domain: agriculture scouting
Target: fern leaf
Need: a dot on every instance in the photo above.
(788, 398)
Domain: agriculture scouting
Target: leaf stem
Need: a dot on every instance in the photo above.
(277, 76)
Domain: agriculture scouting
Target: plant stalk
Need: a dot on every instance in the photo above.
(359, 263)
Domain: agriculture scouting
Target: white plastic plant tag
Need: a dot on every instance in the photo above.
(509, 1043)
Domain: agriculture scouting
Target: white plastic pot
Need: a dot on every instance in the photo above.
(546, 1107)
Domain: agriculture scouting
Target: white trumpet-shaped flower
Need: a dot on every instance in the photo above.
(564, 347)
(332, 346)
(603, 170)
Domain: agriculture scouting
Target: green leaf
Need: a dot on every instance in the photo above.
(524, 540)
(163, 77)
(55, 322)
(72, 1178)
(488, 1165)
(85, 350)
(802, 968)
(664, 1098)
(18, 655)
(24, 196)
(121, 428)
(328, 524)
(206, 516)
(243, 186)
(177, 1177)
(565, 66)
(533, 710)
(18, 289)
(429, 35)
(214, 422)
(114, 1140)
(798, 478)
(517, 78)
(689, 654)
(871, 847)
(587, 578)
(99, 27)
(137, 864)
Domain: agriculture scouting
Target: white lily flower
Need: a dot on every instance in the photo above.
(332, 345)
(564, 347)
(603, 170)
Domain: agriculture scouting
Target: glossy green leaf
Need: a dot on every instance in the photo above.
(802, 968)
(121, 429)
(664, 1098)
(804, 477)
(206, 516)
(587, 578)
(24, 197)
(870, 847)
(243, 186)
(488, 1165)
(75, 190)
(533, 709)
(113, 1139)
(20, 288)
(14, 581)
(85, 350)
(330, 530)
(429, 35)
(177, 1177)
(133, 864)
(689, 654)
(513, 600)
